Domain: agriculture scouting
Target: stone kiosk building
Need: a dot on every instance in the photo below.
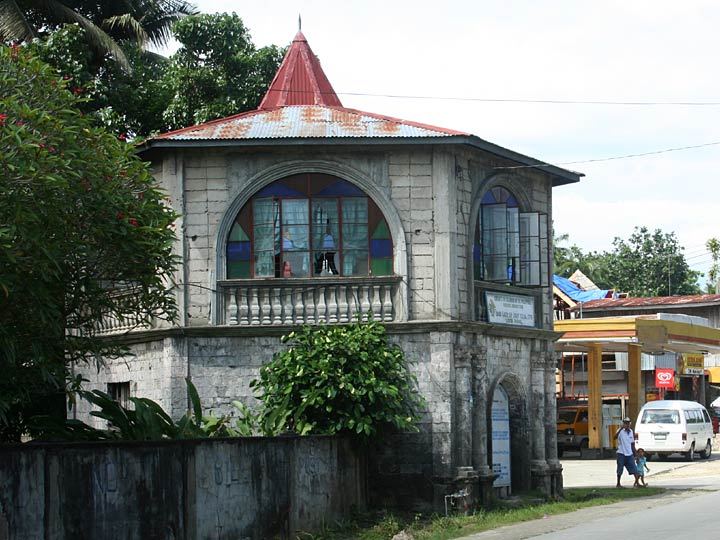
(306, 212)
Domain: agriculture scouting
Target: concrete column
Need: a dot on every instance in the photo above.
(480, 458)
(538, 465)
(445, 235)
(635, 396)
(464, 402)
(442, 414)
(595, 395)
(554, 466)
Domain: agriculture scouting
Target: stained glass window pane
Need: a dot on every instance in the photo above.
(238, 270)
(381, 267)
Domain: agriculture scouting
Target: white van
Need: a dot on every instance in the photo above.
(674, 426)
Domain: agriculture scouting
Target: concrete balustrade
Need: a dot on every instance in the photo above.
(307, 301)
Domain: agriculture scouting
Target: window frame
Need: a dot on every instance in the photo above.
(520, 240)
(324, 249)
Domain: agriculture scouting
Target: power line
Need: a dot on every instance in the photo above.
(542, 101)
(625, 156)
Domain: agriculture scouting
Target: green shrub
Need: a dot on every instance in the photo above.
(337, 379)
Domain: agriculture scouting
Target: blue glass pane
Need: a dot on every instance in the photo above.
(278, 189)
(238, 251)
(476, 254)
(488, 198)
(341, 187)
(380, 248)
(499, 195)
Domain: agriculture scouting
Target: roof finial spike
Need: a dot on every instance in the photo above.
(299, 23)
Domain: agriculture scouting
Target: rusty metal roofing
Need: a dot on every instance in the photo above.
(302, 107)
(306, 121)
(300, 80)
(692, 300)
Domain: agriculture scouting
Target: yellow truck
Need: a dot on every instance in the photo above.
(572, 428)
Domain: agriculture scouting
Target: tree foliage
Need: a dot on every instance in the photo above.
(107, 24)
(127, 102)
(84, 235)
(651, 264)
(145, 421)
(337, 379)
(713, 245)
(217, 71)
(646, 264)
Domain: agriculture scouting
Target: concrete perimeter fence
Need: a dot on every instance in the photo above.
(236, 489)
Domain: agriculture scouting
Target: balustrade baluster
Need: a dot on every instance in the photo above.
(299, 311)
(287, 306)
(387, 303)
(332, 304)
(321, 306)
(376, 304)
(276, 305)
(254, 306)
(265, 299)
(310, 306)
(363, 293)
(243, 309)
(343, 303)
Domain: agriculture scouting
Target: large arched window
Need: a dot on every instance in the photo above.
(510, 246)
(308, 225)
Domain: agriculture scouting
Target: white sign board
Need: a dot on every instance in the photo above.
(500, 419)
(514, 309)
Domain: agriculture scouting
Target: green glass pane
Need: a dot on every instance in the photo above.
(237, 234)
(381, 267)
(381, 231)
(238, 270)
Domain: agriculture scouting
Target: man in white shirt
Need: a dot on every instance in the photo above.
(626, 452)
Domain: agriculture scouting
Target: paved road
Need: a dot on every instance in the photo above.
(687, 509)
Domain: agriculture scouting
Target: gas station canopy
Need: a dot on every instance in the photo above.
(655, 334)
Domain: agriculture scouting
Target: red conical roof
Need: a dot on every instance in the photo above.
(300, 80)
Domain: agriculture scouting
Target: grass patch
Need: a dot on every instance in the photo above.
(526, 507)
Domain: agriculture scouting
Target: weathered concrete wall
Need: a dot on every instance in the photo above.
(456, 367)
(255, 488)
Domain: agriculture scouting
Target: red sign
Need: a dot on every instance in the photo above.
(665, 377)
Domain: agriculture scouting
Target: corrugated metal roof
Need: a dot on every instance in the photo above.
(306, 121)
(301, 106)
(300, 80)
(651, 302)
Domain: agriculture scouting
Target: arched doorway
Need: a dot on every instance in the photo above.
(509, 433)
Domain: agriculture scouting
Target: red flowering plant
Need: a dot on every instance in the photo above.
(77, 244)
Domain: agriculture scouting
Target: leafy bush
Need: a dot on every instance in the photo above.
(337, 379)
(145, 421)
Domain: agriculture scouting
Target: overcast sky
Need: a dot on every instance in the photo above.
(472, 52)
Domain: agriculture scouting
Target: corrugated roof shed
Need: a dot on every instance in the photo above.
(695, 300)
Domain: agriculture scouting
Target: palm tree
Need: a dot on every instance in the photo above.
(106, 23)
